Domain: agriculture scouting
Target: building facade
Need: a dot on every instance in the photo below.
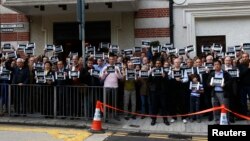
(121, 22)
(14, 27)
(199, 22)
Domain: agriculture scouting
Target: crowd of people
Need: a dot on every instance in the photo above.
(162, 83)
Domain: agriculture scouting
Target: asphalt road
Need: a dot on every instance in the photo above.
(28, 133)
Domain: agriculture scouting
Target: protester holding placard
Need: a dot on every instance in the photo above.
(178, 78)
(220, 81)
(158, 94)
(196, 90)
(244, 67)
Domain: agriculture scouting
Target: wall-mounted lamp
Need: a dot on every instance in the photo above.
(63, 6)
(109, 4)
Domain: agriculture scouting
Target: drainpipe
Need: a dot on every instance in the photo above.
(171, 21)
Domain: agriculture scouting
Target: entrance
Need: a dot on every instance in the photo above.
(209, 40)
(67, 35)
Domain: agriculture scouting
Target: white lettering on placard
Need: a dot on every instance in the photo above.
(216, 132)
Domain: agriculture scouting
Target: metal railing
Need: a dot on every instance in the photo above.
(56, 101)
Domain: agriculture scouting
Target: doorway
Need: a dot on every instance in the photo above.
(67, 35)
(209, 40)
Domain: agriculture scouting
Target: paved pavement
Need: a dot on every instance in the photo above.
(138, 125)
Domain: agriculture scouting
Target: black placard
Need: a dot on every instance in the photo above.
(137, 49)
(194, 86)
(177, 74)
(136, 60)
(58, 49)
(217, 81)
(128, 52)
(143, 74)
(60, 75)
(74, 74)
(182, 51)
(95, 73)
(233, 72)
(38, 66)
(189, 48)
(130, 74)
(111, 69)
(157, 72)
(145, 43)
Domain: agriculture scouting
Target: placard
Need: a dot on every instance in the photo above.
(155, 48)
(201, 70)
(237, 48)
(104, 45)
(7, 47)
(230, 49)
(181, 51)
(217, 82)
(60, 75)
(164, 49)
(130, 74)
(231, 54)
(177, 74)
(137, 49)
(58, 49)
(49, 77)
(217, 48)
(95, 73)
(11, 54)
(166, 69)
(54, 59)
(111, 69)
(209, 66)
(172, 51)
(157, 72)
(90, 50)
(71, 54)
(220, 55)
(128, 52)
(189, 71)
(206, 49)
(21, 46)
(145, 43)
(136, 60)
(189, 48)
(119, 65)
(31, 46)
(49, 48)
(194, 86)
(38, 66)
(233, 72)
(167, 45)
(40, 79)
(4, 73)
(75, 74)
(114, 49)
(99, 55)
(39, 73)
(246, 48)
(29, 51)
(143, 74)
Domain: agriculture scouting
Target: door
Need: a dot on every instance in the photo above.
(67, 35)
(209, 40)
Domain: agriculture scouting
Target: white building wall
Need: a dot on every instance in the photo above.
(236, 29)
(211, 17)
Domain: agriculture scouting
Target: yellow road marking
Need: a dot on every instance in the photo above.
(65, 134)
(158, 136)
(120, 134)
(199, 139)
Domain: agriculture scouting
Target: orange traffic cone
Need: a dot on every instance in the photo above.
(97, 123)
(223, 116)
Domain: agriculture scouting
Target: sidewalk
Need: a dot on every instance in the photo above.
(137, 125)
